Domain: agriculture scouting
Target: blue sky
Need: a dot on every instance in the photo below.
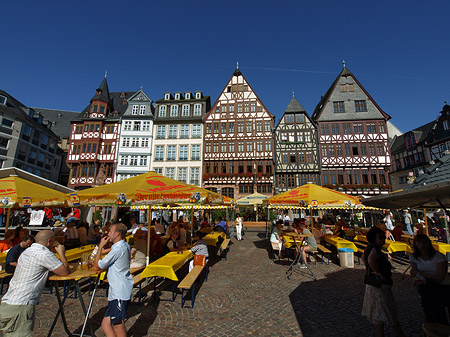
(54, 53)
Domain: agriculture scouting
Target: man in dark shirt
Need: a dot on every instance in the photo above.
(13, 254)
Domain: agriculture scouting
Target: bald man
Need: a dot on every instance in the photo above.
(25, 289)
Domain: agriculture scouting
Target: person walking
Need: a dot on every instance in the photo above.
(26, 286)
(119, 278)
(408, 221)
(239, 224)
(379, 305)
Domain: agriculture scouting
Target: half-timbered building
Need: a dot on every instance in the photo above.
(353, 138)
(296, 157)
(410, 156)
(238, 142)
(440, 141)
(94, 137)
(136, 135)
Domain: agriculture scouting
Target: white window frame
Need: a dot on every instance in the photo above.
(162, 110)
(171, 152)
(127, 125)
(185, 112)
(183, 152)
(197, 109)
(196, 131)
(182, 174)
(142, 109)
(170, 172)
(161, 132)
(173, 131)
(195, 152)
(184, 131)
(159, 152)
(195, 176)
(135, 109)
(174, 110)
(146, 125)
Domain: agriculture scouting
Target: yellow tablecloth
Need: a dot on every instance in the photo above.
(442, 247)
(360, 238)
(212, 238)
(75, 253)
(168, 265)
(340, 243)
(2, 257)
(397, 246)
(289, 241)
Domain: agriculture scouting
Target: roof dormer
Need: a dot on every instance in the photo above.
(198, 95)
(178, 96)
(187, 95)
(167, 96)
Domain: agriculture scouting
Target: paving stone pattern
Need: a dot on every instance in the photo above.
(249, 295)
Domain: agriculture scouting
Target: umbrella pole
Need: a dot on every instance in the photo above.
(267, 221)
(192, 223)
(311, 215)
(426, 220)
(149, 219)
(7, 219)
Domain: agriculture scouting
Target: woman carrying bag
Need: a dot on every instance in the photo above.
(379, 305)
(239, 224)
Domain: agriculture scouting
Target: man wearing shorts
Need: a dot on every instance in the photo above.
(119, 278)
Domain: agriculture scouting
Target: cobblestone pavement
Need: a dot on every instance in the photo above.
(249, 295)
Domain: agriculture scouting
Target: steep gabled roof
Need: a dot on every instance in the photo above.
(102, 93)
(324, 99)
(422, 133)
(294, 106)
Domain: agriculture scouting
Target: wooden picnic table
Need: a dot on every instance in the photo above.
(75, 253)
(442, 247)
(292, 237)
(340, 242)
(167, 265)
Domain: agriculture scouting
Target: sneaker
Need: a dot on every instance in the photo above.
(303, 266)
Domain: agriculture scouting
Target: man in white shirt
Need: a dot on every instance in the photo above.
(119, 278)
(26, 286)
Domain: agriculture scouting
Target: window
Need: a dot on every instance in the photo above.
(177, 96)
(102, 109)
(95, 108)
(224, 147)
(146, 126)
(137, 126)
(330, 151)
(347, 149)
(343, 88)
(371, 128)
(7, 122)
(159, 152)
(380, 149)
(267, 127)
(339, 150)
(187, 95)
(355, 150)
(240, 127)
(249, 127)
(171, 152)
(196, 131)
(195, 176)
(289, 119)
(335, 129)
(339, 107)
(173, 129)
(133, 160)
(4, 142)
(347, 129)
(268, 145)
(324, 129)
(184, 149)
(208, 147)
(216, 128)
(134, 142)
(124, 160)
(360, 106)
(2, 100)
(231, 147)
(240, 146)
(170, 172)
(162, 111)
(185, 112)
(223, 108)
(259, 146)
(246, 105)
(371, 150)
(373, 176)
(363, 149)
(158, 170)
(224, 127)
(249, 146)
(445, 124)
(91, 172)
(381, 127)
(195, 152)
(231, 127)
(299, 118)
(358, 128)
(142, 110)
(144, 142)
(259, 126)
(161, 132)
(126, 125)
(208, 128)
(239, 109)
(245, 188)
(135, 110)
(182, 174)
(184, 131)
(126, 142)
(174, 111)
(197, 109)
(253, 106)
(167, 96)
(215, 147)
(231, 107)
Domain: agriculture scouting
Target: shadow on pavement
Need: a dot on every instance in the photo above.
(332, 306)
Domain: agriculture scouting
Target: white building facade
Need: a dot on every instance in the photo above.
(136, 137)
(178, 136)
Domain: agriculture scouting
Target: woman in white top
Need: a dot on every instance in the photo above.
(429, 269)
(239, 222)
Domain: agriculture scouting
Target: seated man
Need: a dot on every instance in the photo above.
(171, 244)
(311, 244)
(138, 258)
(14, 253)
(199, 248)
(221, 225)
(73, 216)
(397, 232)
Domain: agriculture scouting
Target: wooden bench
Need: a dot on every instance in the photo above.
(137, 281)
(224, 247)
(324, 250)
(188, 283)
(4, 276)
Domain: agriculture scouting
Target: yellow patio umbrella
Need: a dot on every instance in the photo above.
(252, 199)
(16, 192)
(146, 189)
(311, 195)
